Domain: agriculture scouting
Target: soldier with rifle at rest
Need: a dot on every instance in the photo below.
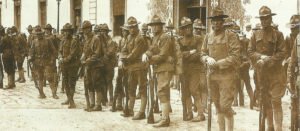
(161, 55)
(92, 64)
(266, 51)
(69, 59)
(293, 78)
(221, 52)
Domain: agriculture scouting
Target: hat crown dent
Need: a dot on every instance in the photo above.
(67, 26)
(131, 20)
(86, 24)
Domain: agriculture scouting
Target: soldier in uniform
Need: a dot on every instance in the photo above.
(198, 27)
(2, 33)
(137, 75)
(20, 52)
(121, 79)
(193, 69)
(52, 71)
(41, 57)
(110, 61)
(7, 52)
(69, 59)
(92, 59)
(266, 51)
(161, 55)
(30, 40)
(221, 51)
(293, 78)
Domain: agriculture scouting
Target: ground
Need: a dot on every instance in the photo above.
(20, 109)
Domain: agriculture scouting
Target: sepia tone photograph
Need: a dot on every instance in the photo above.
(170, 65)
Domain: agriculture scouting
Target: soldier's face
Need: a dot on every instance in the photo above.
(217, 24)
(133, 30)
(47, 31)
(125, 33)
(295, 30)
(67, 34)
(156, 28)
(86, 31)
(187, 31)
(197, 31)
(266, 21)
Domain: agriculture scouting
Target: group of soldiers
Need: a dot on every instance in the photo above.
(207, 68)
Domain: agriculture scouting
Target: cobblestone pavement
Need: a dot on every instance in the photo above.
(20, 109)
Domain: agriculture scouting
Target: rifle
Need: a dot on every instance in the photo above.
(156, 105)
(84, 69)
(126, 109)
(262, 97)
(183, 97)
(150, 119)
(209, 100)
(294, 106)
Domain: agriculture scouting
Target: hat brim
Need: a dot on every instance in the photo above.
(48, 28)
(218, 17)
(87, 26)
(131, 25)
(289, 25)
(155, 23)
(67, 29)
(185, 25)
(260, 16)
(200, 27)
(122, 27)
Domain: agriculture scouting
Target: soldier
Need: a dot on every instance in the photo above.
(7, 52)
(92, 59)
(198, 27)
(266, 51)
(161, 55)
(121, 79)
(2, 33)
(52, 71)
(110, 61)
(221, 51)
(30, 39)
(193, 69)
(137, 76)
(20, 51)
(248, 31)
(40, 56)
(69, 59)
(293, 78)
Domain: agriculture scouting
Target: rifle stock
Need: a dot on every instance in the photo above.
(150, 119)
(156, 105)
(262, 98)
(294, 106)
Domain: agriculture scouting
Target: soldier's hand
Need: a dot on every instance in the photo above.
(265, 58)
(120, 64)
(210, 61)
(145, 58)
(60, 60)
(193, 51)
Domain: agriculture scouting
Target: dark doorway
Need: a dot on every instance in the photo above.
(17, 13)
(76, 19)
(118, 14)
(42, 12)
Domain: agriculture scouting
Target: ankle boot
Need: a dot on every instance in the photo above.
(22, 77)
(165, 119)
(229, 122)
(92, 99)
(98, 106)
(221, 121)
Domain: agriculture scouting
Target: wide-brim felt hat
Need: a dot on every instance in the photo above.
(67, 27)
(185, 21)
(198, 24)
(170, 24)
(217, 13)
(49, 27)
(104, 27)
(265, 11)
(294, 21)
(156, 20)
(124, 28)
(86, 24)
(131, 22)
(257, 27)
(38, 30)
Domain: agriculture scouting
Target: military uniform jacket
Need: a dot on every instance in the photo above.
(6, 48)
(225, 49)
(19, 46)
(289, 41)
(134, 49)
(293, 67)
(162, 53)
(111, 48)
(41, 52)
(93, 51)
(191, 61)
(270, 43)
(69, 51)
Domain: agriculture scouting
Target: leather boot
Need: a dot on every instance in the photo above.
(19, 78)
(200, 116)
(54, 90)
(113, 106)
(22, 77)
(269, 117)
(1, 85)
(98, 106)
(278, 117)
(229, 122)
(119, 106)
(165, 119)
(11, 82)
(221, 121)
(72, 103)
(92, 99)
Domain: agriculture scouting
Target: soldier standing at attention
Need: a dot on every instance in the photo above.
(20, 52)
(69, 59)
(41, 55)
(266, 51)
(221, 52)
(137, 74)
(92, 59)
(193, 69)
(161, 55)
(2, 34)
